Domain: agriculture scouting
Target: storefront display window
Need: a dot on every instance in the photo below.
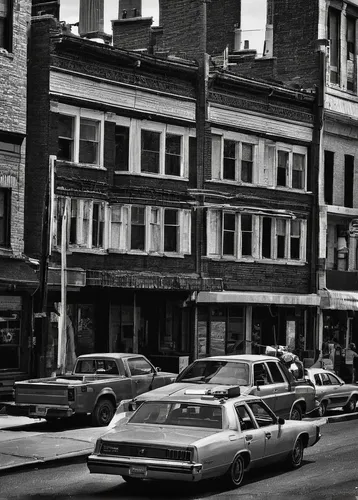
(10, 324)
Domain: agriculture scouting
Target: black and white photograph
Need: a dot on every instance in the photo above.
(178, 249)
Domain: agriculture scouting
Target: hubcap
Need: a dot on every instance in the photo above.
(237, 470)
(296, 453)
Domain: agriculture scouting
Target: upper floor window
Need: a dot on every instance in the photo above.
(150, 229)
(237, 235)
(80, 136)
(5, 198)
(85, 223)
(334, 29)
(6, 10)
(151, 148)
(291, 167)
(233, 158)
(351, 53)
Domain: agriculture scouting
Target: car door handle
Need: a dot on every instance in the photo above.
(268, 435)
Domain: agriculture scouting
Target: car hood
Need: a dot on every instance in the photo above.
(157, 434)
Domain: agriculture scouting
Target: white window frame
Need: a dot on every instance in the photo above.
(83, 242)
(290, 149)
(217, 164)
(214, 231)
(90, 114)
(124, 230)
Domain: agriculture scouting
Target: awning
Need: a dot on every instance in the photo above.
(285, 299)
(339, 299)
(18, 273)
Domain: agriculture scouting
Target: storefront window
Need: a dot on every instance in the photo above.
(235, 340)
(10, 322)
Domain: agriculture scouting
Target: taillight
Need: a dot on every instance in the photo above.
(71, 394)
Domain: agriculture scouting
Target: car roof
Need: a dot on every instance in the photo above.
(109, 355)
(249, 358)
(204, 400)
(319, 370)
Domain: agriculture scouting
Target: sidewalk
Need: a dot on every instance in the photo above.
(25, 442)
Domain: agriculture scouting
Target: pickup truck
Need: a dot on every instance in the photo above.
(258, 375)
(96, 386)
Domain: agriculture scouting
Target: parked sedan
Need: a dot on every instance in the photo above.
(206, 434)
(331, 391)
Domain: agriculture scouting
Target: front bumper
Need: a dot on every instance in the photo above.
(38, 411)
(154, 469)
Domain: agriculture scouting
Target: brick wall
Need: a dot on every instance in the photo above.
(131, 34)
(13, 70)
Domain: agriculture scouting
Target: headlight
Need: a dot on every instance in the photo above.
(97, 447)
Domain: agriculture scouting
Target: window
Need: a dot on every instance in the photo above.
(262, 414)
(150, 229)
(80, 135)
(282, 168)
(348, 180)
(10, 339)
(122, 148)
(171, 230)
(298, 170)
(232, 159)
(261, 374)
(6, 13)
(139, 366)
(85, 222)
(5, 197)
(240, 235)
(334, 44)
(245, 420)
(291, 166)
(150, 151)
(328, 177)
(276, 374)
(351, 53)
(173, 154)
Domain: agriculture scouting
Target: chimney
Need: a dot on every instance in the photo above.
(131, 31)
(268, 45)
(48, 7)
(91, 23)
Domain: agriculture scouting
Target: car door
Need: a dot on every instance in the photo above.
(265, 389)
(142, 374)
(284, 394)
(254, 437)
(278, 442)
(340, 393)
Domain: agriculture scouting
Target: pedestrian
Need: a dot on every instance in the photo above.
(350, 356)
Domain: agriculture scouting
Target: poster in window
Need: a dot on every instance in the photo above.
(217, 338)
(290, 334)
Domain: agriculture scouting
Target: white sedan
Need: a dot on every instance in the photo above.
(200, 436)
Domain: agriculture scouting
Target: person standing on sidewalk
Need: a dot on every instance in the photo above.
(350, 356)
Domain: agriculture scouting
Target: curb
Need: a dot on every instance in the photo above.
(73, 457)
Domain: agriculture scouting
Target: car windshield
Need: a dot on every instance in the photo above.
(216, 372)
(178, 414)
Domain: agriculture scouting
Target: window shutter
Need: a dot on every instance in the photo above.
(216, 156)
(256, 236)
(213, 228)
(269, 164)
(303, 243)
(115, 226)
(185, 229)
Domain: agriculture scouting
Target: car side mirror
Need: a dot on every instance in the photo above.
(259, 382)
(158, 369)
(280, 421)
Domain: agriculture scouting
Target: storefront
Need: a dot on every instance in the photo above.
(240, 322)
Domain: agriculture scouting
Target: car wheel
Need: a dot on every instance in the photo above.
(296, 413)
(350, 407)
(103, 412)
(296, 455)
(235, 474)
(322, 409)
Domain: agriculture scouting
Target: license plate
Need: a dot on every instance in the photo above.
(138, 471)
(41, 410)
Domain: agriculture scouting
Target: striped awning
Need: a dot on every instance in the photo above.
(339, 299)
(285, 299)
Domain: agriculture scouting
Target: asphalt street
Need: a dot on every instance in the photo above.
(329, 472)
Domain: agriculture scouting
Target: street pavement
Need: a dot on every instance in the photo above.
(26, 442)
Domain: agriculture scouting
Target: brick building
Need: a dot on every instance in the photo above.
(18, 280)
(181, 196)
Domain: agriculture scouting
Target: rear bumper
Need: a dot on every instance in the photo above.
(38, 411)
(154, 469)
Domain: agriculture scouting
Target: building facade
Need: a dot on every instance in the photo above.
(18, 280)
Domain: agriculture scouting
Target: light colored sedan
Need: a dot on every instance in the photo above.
(331, 391)
(203, 435)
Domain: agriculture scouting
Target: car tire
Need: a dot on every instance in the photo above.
(322, 409)
(296, 413)
(235, 475)
(103, 412)
(296, 455)
(351, 406)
